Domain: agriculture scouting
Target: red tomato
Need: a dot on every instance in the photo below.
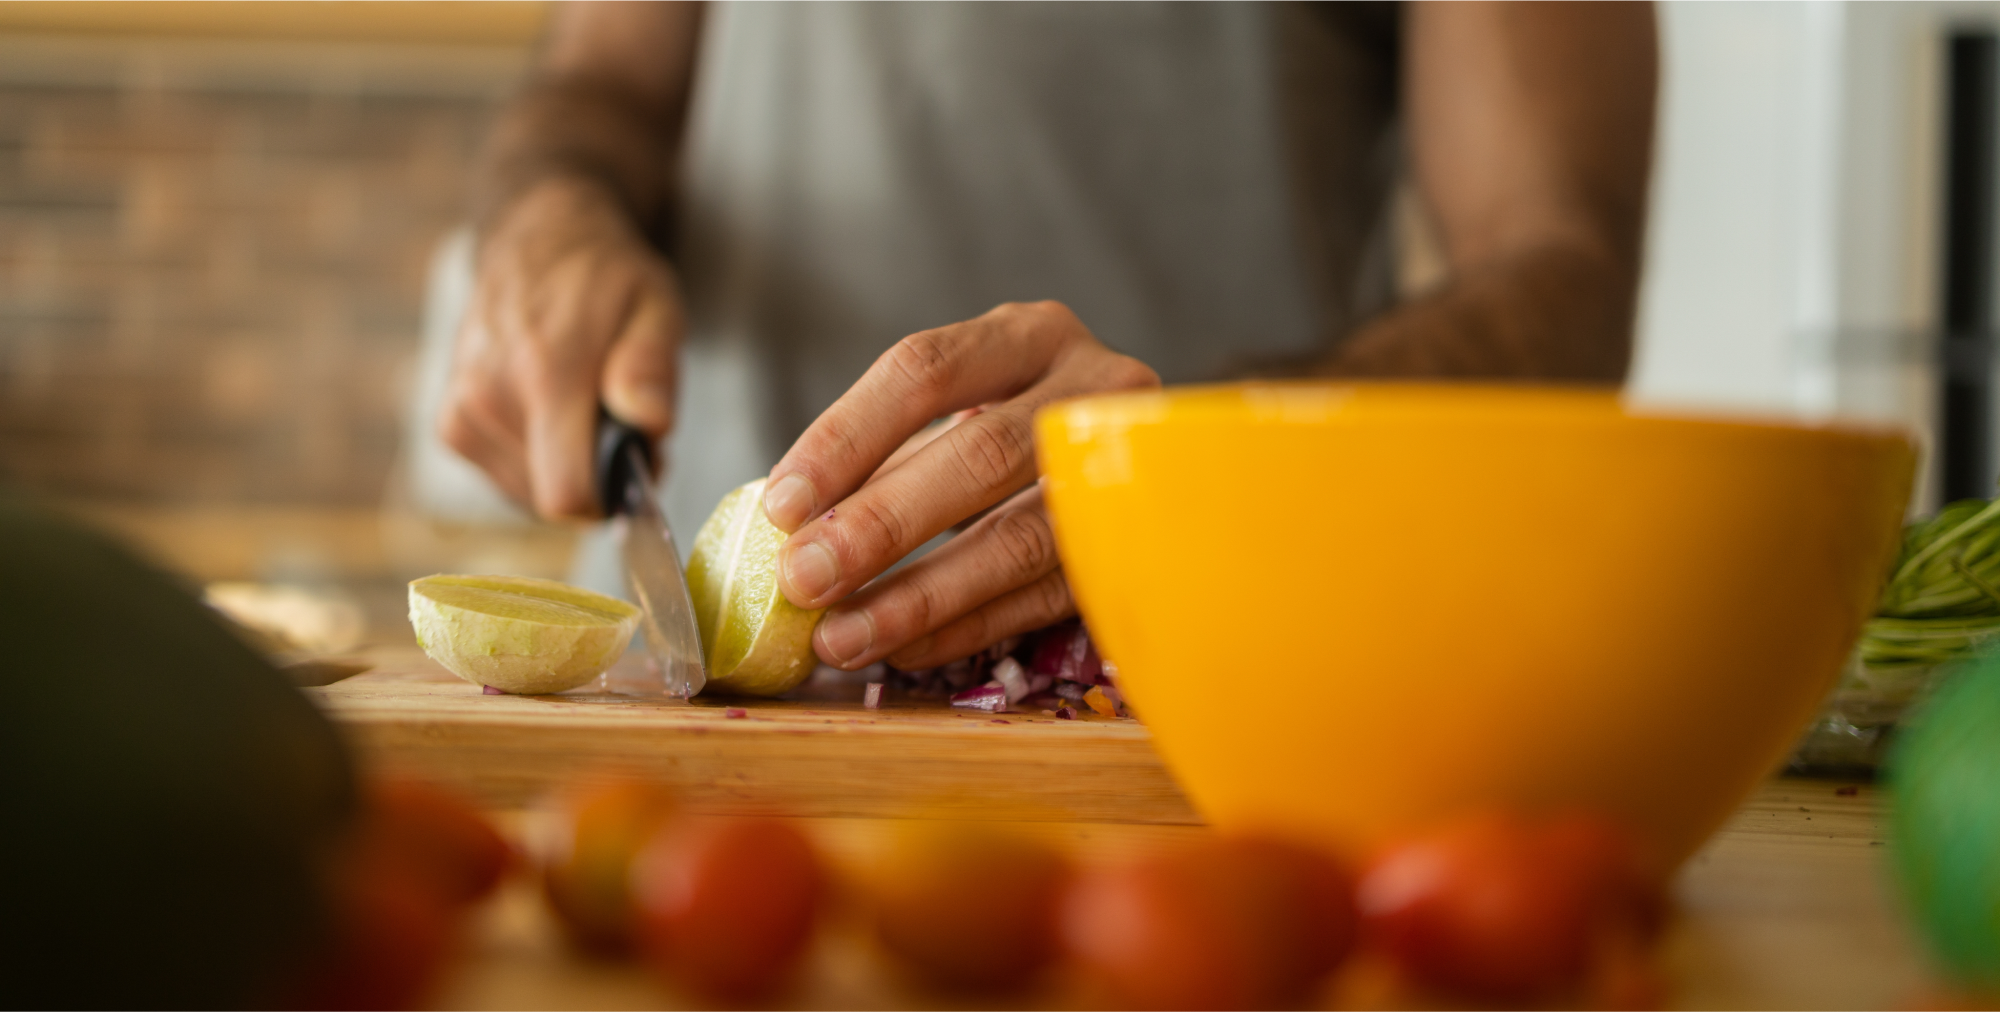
(1229, 923)
(1621, 876)
(587, 874)
(727, 906)
(389, 936)
(968, 906)
(1498, 906)
(448, 845)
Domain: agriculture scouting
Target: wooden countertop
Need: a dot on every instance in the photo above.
(1788, 907)
(819, 754)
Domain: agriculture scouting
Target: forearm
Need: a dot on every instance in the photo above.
(601, 116)
(1554, 313)
(576, 134)
(1530, 128)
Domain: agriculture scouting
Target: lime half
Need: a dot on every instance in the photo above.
(519, 634)
(757, 643)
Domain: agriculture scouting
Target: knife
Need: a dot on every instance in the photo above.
(625, 474)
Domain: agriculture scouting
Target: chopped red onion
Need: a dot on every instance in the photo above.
(991, 697)
(1010, 676)
(735, 713)
(488, 690)
(1065, 713)
(1090, 668)
(871, 697)
(1066, 652)
(1052, 651)
(1056, 664)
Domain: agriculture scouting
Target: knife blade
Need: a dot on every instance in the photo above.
(652, 567)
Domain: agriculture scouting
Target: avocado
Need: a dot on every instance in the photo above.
(171, 799)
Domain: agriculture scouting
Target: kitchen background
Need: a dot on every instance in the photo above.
(216, 222)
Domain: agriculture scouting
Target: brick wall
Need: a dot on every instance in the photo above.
(212, 258)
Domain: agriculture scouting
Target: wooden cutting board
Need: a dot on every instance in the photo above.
(820, 756)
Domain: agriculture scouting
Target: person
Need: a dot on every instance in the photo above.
(977, 209)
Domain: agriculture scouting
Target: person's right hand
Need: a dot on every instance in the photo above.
(572, 308)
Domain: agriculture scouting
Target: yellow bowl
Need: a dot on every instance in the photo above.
(1352, 609)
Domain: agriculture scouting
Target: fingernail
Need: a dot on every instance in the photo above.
(847, 635)
(789, 502)
(809, 573)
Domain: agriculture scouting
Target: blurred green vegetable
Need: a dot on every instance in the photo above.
(1945, 825)
(1940, 607)
(1889, 642)
(1949, 565)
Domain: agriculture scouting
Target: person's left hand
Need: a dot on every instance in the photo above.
(857, 492)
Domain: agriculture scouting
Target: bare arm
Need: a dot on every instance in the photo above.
(1531, 129)
(604, 106)
(574, 306)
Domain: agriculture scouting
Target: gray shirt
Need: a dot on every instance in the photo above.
(1203, 183)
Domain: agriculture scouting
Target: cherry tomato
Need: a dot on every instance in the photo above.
(1499, 906)
(390, 933)
(1226, 924)
(586, 875)
(967, 906)
(448, 845)
(727, 906)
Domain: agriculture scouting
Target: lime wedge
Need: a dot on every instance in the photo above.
(756, 642)
(519, 634)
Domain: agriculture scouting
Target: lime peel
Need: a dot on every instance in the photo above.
(519, 634)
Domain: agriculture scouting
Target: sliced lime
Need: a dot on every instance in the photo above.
(519, 634)
(757, 643)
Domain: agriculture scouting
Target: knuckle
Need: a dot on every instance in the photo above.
(992, 448)
(1130, 373)
(1050, 598)
(1055, 311)
(840, 439)
(1030, 320)
(1025, 539)
(922, 609)
(924, 362)
(867, 530)
(457, 431)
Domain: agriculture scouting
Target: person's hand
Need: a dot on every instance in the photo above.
(572, 308)
(858, 492)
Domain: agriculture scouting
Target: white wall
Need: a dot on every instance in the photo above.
(1791, 262)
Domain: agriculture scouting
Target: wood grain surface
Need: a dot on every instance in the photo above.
(824, 755)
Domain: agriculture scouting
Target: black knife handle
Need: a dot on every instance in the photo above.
(614, 461)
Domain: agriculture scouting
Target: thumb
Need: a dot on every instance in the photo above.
(639, 370)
